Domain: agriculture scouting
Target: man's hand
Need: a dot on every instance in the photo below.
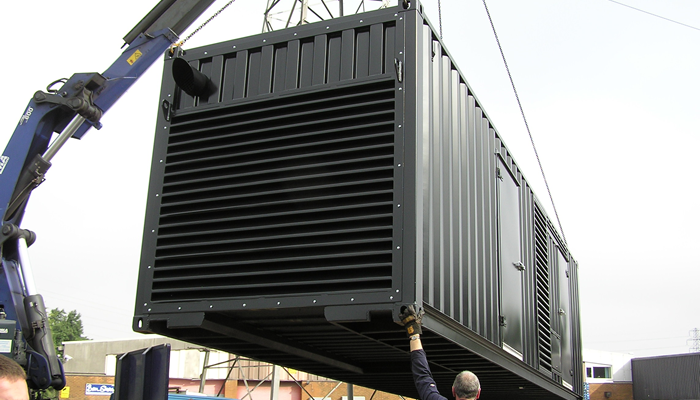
(411, 320)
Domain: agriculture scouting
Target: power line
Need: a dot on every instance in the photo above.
(635, 340)
(694, 340)
(655, 15)
(649, 348)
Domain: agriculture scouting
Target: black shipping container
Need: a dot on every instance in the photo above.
(342, 170)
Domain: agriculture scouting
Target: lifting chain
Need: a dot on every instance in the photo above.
(199, 28)
(440, 17)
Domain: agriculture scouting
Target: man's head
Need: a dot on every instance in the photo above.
(466, 386)
(13, 380)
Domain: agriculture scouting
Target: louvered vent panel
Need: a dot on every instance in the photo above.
(544, 322)
(290, 195)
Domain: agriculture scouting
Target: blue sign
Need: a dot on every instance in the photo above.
(99, 389)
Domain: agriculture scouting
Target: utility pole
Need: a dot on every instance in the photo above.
(694, 340)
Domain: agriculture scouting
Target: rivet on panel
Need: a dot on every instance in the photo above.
(244, 304)
(145, 304)
(397, 290)
(399, 165)
(328, 27)
(153, 231)
(391, 297)
(400, 52)
(278, 303)
(400, 89)
(157, 195)
(362, 21)
(211, 306)
(264, 40)
(205, 53)
(149, 267)
(149, 310)
(398, 247)
(179, 308)
(400, 126)
(161, 160)
(398, 206)
(352, 299)
(295, 33)
(314, 301)
(234, 47)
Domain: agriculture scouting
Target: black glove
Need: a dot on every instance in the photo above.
(410, 319)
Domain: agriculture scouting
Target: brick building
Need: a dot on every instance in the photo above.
(90, 367)
(608, 375)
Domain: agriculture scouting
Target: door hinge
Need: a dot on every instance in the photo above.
(502, 320)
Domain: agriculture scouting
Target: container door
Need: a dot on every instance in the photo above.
(511, 265)
(564, 312)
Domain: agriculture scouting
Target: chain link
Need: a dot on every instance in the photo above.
(440, 17)
(199, 28)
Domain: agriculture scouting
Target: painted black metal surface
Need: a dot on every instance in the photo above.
(143, 374)
(340, 171)
(672, 377)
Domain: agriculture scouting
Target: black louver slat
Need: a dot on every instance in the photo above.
(544, 323)
(279, 197)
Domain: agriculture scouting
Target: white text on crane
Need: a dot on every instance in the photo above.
(4, 160)
(25, 117)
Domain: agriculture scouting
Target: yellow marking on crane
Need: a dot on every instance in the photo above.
(137, 54)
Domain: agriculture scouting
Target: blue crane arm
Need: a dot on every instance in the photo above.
(24, 162)
(72, 109)
(47, 113)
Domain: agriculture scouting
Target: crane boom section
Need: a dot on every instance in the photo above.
(73, 108)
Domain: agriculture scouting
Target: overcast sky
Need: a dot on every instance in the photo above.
(611, 95)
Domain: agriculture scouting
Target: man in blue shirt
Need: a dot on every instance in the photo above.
(466, 385)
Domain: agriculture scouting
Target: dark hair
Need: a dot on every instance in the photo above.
(9, 369)
(466, 385)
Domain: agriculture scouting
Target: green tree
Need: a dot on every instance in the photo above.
(65, 327)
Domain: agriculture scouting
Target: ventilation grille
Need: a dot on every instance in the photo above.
(286, 196)
(544, 322)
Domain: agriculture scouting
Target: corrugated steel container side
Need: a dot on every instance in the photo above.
(675, 377)
(477, 252)
(341, 171)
